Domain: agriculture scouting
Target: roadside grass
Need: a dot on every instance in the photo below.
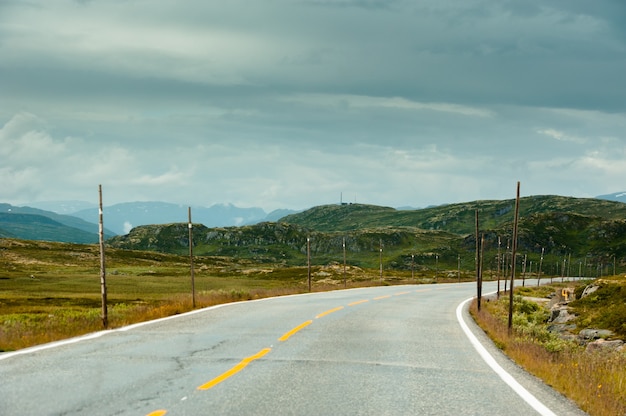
(605, 308)
(51, 291)
(73, 308)
(596, 381)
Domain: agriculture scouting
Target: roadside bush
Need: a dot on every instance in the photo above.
(595, 381)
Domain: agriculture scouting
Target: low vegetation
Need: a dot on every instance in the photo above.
(578, 237)
(51, 291)
(605, 308)
(595, 380)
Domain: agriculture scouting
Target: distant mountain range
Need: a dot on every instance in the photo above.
(77, 221)
(585, 231)
(121, 218)
(618, 196)
(35, 224)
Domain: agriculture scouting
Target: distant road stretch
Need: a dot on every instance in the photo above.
(392, 350)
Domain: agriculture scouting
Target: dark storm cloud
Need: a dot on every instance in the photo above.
(283, 103)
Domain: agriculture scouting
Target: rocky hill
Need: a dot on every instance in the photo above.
(578, 231)
(454, 218)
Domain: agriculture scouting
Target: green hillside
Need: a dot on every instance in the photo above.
(38, 227)
(586, 234)
(27, 223)
(6, 234)
(454, 218)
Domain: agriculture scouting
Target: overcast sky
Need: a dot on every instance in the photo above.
(290, 103)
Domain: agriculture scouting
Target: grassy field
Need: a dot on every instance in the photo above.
(51, 291)
(596, 381)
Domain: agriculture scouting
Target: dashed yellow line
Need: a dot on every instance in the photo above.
(358, 302)
(328, 312)
(242, 364)
(286, 336)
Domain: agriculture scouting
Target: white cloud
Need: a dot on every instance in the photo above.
(22, 140)
(347, 102)
(561, 136)
(286, 104)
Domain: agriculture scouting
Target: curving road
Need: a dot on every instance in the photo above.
(394, 350)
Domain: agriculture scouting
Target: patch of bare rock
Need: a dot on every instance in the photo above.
(561, 322)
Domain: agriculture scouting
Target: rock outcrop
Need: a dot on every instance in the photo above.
(561, 322)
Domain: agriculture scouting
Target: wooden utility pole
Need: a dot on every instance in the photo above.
(381, 259)
(506, 264)
(540, 266)
(513, 262)
(498, 272)
(193, 283)
(478, 279)
(103, 282)
(614, 264)
(345, 282)
(482, 256)
(308, 259)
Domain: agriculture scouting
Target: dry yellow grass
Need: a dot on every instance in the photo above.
(595, 381)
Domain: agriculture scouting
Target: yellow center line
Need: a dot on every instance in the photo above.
(382, 297)
(358, 302)
(157, 413)
(423, 290)
(401, 293)
(328, 312)
(242, 364)
(286, 336)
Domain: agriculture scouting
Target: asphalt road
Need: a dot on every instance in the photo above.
(393, 350)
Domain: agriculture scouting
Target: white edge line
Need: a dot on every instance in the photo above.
(504, 375)
(94, 335)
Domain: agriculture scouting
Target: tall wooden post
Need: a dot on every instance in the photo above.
(193, 283)
(482, 257)
(506, 264)
(513, 262)
(381, 259)
(103, 282)
(308, 259)
(345, 282)
(498, 272)
(540, 266)
(478, 280)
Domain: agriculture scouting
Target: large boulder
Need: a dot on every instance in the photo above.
(589, 290)
(604, 345)
(559, 314)
(591, 334)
